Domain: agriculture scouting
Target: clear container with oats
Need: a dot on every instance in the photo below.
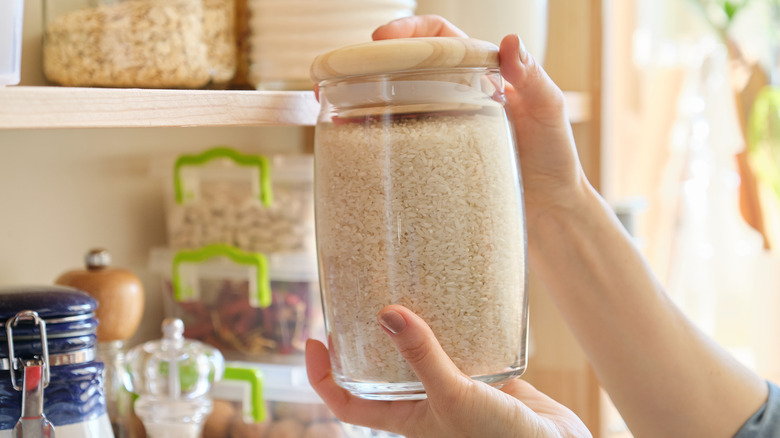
(418, 202)
(139, 43)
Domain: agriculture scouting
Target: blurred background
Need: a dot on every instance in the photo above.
(675, 107)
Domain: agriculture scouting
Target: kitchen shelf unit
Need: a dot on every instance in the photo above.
(32, 114)
(42, 107)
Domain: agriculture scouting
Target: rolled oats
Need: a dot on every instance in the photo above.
(142, 43)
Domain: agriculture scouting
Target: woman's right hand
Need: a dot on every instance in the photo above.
(603, 288)
(551, 170)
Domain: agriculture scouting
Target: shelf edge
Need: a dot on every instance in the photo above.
(48, 107)
(71, 107)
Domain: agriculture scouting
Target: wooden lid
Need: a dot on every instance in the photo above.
(404, 54)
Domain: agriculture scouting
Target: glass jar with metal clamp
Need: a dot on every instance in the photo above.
(50, 381)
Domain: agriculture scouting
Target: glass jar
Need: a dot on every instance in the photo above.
(50, 380)
(139, 43)
(118, 398)
(11, 12)
(418, 202)
(172, 377)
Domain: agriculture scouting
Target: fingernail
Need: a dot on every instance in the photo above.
(522, 49)
(392, 321)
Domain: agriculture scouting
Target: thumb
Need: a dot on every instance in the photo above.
(532, 93)
(418, 345)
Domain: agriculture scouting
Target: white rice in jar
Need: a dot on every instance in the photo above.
(426, 212)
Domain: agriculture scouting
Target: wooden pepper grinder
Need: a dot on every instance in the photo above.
(120, 298)
(119, 293)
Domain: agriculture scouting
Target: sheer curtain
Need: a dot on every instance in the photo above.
(680, 91)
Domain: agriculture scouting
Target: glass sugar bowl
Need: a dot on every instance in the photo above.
(50, 380)
(418, 202)
(172, 377)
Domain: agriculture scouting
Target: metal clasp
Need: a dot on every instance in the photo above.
(25, 315)
(33, 423)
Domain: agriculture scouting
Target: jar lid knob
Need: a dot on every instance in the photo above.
(97, 259)
(173, 328)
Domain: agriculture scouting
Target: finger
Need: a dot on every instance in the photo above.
(536, 106)
(418, 26)
(418, 345)
(527, 393)
(345, 406)
(318, 370)
(549, 413)
(531, 88)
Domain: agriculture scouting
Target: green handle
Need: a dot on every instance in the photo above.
(255, 380)
(258, 260)
(259, 161)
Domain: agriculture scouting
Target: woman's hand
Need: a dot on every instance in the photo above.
(550, 166)
(456, 405)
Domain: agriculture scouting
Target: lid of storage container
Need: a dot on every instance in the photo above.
(296, 266)
(242, 383)
(283, 382)
(48, 301)
(292, 168)
(404, 54)
(67, 312)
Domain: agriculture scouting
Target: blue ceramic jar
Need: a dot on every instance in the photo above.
(48, 370)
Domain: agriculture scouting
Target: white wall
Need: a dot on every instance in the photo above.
(63, 192)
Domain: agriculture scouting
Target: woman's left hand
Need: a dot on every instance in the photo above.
(456, 406)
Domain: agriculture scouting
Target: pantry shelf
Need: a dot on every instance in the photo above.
(44, 107)
(28, 107)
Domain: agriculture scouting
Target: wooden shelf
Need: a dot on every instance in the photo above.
(26, 107)
(70, 107)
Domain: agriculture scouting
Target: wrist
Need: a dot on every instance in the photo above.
(574, 206)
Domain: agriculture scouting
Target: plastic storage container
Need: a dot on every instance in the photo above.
(418, 202)
(273, 400)
(11, 12)
(286, 35)
(250, 306)
(253, 202)
(139, 43)
(50, 381)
